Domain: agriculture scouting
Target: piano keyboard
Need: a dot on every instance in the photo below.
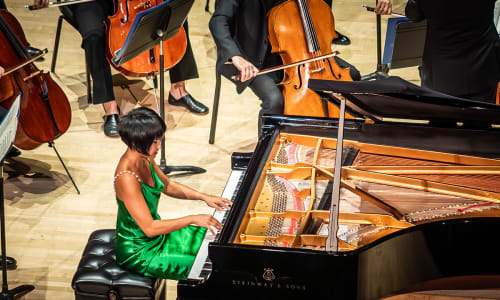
(202, 266)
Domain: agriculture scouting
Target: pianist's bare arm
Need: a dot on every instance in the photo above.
(180, 191)
(129, 190)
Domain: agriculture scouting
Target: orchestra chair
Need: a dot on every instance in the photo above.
(66, 16)
(99, 276)
(215, 107)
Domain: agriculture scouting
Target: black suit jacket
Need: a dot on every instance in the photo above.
(462, 48)
(239, 28)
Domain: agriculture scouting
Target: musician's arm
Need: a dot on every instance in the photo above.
(180, 191)
(413, 11)
(129, 191)
(2, 70)
(40, 3)
(220, 27)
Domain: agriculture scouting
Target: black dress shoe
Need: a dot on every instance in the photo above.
(190, 103)
(11, 263)
(32, 51)
(111, 125)
(14, 152)
(341, 39)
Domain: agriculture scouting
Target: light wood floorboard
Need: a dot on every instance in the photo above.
(48, 223)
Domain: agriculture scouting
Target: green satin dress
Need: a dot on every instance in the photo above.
(165, 256)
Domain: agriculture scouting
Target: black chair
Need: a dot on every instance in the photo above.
(67, 16)
(99, 276)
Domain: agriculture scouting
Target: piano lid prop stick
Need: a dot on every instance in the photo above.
(332, 243)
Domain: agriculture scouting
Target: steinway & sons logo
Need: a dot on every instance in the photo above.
(268, 274)
(269, 277)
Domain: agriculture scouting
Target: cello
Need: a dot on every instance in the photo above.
(148, 63)
(45, 113)
(300, 30)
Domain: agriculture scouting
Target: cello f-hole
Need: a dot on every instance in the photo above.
(338, 77)
(300, 79)
(125, 19)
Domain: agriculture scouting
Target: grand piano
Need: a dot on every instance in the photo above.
(418, 201)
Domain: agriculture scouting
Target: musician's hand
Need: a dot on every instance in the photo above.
(40, 3)
(2, 70)
(217, 202)
(246, 68)
(207, 221)
(384, 7)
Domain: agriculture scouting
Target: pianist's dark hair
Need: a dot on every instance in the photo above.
(140, 127)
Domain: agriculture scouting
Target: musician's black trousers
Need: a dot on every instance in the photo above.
(264, 87)
(88, 18)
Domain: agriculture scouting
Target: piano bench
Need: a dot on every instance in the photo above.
(100, 277)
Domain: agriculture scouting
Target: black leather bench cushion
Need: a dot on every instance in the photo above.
(98, 274)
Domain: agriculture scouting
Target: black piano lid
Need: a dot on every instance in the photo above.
(397, 98)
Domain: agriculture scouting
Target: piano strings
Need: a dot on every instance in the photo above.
(429, 186)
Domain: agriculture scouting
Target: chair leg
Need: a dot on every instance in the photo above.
(56, 44)
(215, 108)
(89, 82)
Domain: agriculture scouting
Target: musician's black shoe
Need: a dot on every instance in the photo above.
(14, 152)
(11, 263)
(341, 39)
(111, 125)
(190, 103)
(32, 51)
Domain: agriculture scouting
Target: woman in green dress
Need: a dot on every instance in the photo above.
(145, 243)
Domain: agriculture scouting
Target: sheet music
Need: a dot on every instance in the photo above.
(8, 127)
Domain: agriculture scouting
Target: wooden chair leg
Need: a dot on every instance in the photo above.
(215, 108)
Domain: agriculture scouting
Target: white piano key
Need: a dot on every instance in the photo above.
(229, 192)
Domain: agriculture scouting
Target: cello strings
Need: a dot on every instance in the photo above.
(312, 35)
(309, 29)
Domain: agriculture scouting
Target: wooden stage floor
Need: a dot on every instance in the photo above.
(48, 223)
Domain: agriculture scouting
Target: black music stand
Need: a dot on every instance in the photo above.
(404, 43)
(404, 47)
(8, 128)
(381, 71)
(149, 29)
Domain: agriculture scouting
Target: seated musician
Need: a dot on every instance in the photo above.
(144, 242)
(89, 18)
(240, 31)
(462, 48)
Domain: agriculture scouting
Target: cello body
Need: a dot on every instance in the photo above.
(45, 113)
(148, 63)
(296, 42)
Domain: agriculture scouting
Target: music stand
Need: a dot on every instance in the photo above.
(404, 46)
(404, 43)
(380, 72)
(8, 128)
(149, 29)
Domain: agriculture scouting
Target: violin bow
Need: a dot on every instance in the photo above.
(28, 61)
(274, 69)
(372, 9)
(58, 3)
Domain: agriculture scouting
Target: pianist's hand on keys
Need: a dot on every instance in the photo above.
(218, 203)
(207, 221)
